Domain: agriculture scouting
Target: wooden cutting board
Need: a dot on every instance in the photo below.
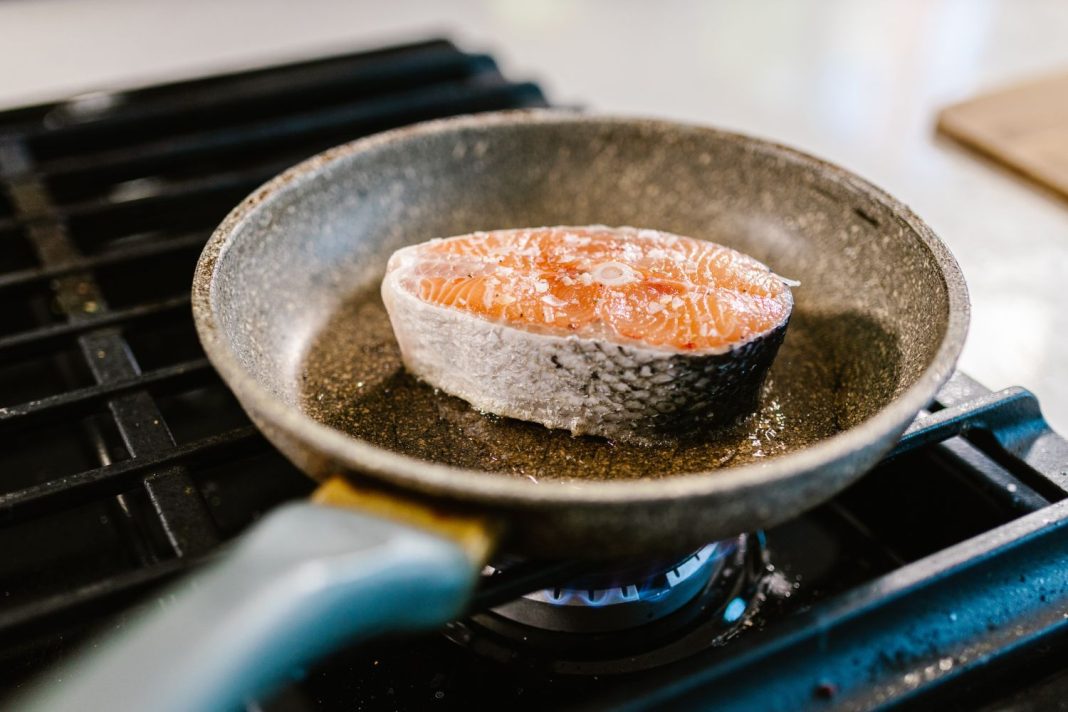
(1024, 127)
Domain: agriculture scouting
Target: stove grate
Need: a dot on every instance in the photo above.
(123, 452)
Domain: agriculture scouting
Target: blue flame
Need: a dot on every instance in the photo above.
(594, 598)
(652, 589)
(604, 597)
(734, 610)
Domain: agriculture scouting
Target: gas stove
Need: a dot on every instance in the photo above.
(939, 579)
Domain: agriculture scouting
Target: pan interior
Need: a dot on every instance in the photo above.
(353, 380)
(298, 301)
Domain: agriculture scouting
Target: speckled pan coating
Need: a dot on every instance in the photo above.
(587, 386)
(290, 254)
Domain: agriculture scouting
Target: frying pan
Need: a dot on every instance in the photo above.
(419, 489)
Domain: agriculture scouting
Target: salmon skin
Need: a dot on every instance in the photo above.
(620, 332)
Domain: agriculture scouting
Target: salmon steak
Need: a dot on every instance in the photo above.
(624, 333)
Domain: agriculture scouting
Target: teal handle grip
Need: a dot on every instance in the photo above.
(303, 581)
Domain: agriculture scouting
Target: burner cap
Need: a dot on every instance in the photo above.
(625, 619)
(619, 599)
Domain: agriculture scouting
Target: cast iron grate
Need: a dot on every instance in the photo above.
(124, 457)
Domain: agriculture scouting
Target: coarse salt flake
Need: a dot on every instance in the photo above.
(614, 274)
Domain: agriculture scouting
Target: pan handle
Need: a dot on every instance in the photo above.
(304, 580)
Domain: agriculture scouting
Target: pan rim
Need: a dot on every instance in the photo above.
(478, 486)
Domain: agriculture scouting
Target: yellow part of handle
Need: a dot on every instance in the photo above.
(478, 537)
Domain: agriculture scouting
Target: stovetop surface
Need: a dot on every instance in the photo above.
(938, 580)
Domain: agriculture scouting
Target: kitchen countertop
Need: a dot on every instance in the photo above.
(856, 83)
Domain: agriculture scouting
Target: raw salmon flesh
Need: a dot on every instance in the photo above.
(620, 332)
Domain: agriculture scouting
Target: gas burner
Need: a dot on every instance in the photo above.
(628, 618)
(621, 598)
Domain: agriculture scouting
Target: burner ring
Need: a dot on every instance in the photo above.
(729, 600)
(599, 604)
